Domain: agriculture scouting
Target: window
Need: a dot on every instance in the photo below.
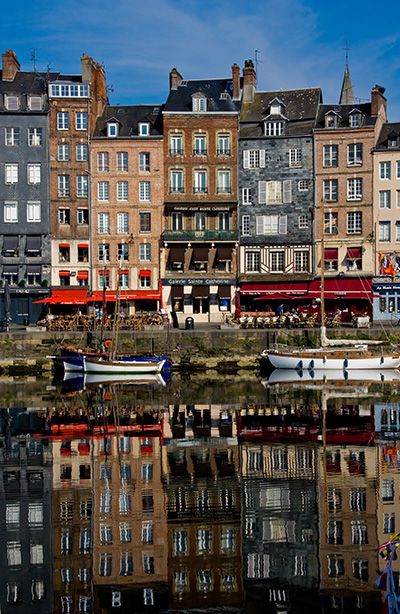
(63, 120)
(295, 157)
(69, 91)
(123, 252)
(84, 541)
(148, 596)
(335, 566)
(63, 185)
(63, 216)
(124, 280)
(103, 191)
(122, 161)
(81, 152)
(112, 129)
(223, 221)
(247, 196)
(104, 252)
(224, 182)
(200, 145)
(103, 220)
(122, 223)
(145, 221)
(359, 532)
(331, 155)
(11, 103)
(330, 189)
(246, 225)
(200, 221)
(144, 129)
(303, 185)
(274, 128)
(303, 221)
(33, 211)
(176, 181)
(398, 169)
(252, 262)
(82, 186)
(144, 190)
(254, 158)
(144, 161)
(355, 154)
(12, 515)
(331, 223)
(176, 148)
(223, 146)
(103, 161)
(124, 503)
(274, 192)
(354, 189)
(12, 136)
(126, 564)
(180, 540)
(355, 120)
(10, 212)
(105, 534)
(200, 182)
(122, 190)
(11, 173)
(83, 216)
(67, 604)
(397, 231)
(277, 261)
(301, 261)
(105, 564)
(144, 279)
(35, 137)
(354, 222)
(81, 121)
(63, 152)
(199, 104)
(331, 120)
(35, 103)
(335, 532)
(83, 253)
(384, 199)
(147, 532)
(145, 252)
(271, 224)
(36, 554)
(102, 281)
(388, 523)
(384, 170)
(125, 532)
(148, 564)
(176, 221)
(384, 231)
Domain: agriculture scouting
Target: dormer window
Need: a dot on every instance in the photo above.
(274, 128)
(112, 129)
(331, 120)
(11, 103)
(355, 118)
(35, 103)
(393, 140)
(144, 129)
(199, 103)
(276, 107)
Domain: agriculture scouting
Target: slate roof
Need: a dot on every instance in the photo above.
(28, 82)
(392, 129)
(343, 110)
(180, 99)
(300, 111)
(129, 117)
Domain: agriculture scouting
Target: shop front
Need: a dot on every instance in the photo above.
(204, 299)
(386, 302)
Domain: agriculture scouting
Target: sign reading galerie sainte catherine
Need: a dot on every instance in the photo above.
(195, 281)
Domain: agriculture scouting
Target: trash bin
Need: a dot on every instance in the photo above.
(189, 324)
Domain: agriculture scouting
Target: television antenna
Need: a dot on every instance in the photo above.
(257, 61)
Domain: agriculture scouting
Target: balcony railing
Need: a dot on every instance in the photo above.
(226, 190)
(201, 235)
(223, 152)
(176, 190)
(199, 152)
(200, 190)
(176, 152)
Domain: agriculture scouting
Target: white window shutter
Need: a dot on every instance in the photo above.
(259, 224)
(287, 191)
(262, 192)
(246, 158)
(262, 158)
(283, 225)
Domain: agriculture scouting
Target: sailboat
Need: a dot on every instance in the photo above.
(329, 356)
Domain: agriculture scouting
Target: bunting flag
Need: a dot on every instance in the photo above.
(386, 581)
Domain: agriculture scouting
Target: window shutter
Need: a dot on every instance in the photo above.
(246, 159)
(287, 191)
(262, 192)
(283, 225)
(259, 224)
(262, 158)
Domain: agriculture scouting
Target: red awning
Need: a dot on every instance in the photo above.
(296, 289)
(72, 296)
(64, 273)
(83, 245)
(82, 275)
(63, 245)
(353, 253)
(125, 296)
(145, 273)
(331, 254)
(346, 287)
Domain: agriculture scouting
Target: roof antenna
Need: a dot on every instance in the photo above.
(32, 58)
(347, 51)
(257, 61)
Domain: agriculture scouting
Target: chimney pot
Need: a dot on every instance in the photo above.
(10, 65)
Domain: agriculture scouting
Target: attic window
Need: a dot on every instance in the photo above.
(12, 103)
(35, 103)
(393, 141)
(276, 108)
(120, 110)
(331, 121)
(144, 129)
(223, 96)
(112, 129)
(156, 110)
(275, 128)
(199, 105)
(355, 120)
(183, 83)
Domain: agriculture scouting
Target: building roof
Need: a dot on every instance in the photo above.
(300, 110)
(28, 82)
(180, 99)
(343, 111)
(129, 117)
(391, 130)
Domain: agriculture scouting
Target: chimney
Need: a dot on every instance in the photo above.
(175, 78)
(378, 102)
(10, 65)
(88, 68)
(235, 82)
(249, 81)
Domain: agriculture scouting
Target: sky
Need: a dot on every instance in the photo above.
(299, 43)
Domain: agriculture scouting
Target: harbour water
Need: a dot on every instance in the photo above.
(197, 494)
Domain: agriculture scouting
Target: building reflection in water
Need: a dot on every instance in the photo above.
(275, 507)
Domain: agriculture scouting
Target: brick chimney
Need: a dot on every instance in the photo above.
(10, 65)
(249, 81)
(378, 102)
(175, 78)
(235, 82)
(88, 68)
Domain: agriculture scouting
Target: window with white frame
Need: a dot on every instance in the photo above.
(81, 152)
(331, 155)
(147, 532)
(200, 182)
(112, 129)
(33, 211)
(144, 129)
(125, 532)
(145, 252)
(176, 220)
(301, 261)
(122, 190)
(144, 161)
(355, 120)
(330, 188)
(397, 231)
(66, 90)
(11, 103)
(200, 145)
(274, 192)
(331, 223)
(104, 252)
(81, 121)
(35, 137)
(398, 169)
(124, 279)
(82, 186)
(224, 182)
(12, 515)
(331, 120)
(355, 154)
(35, 103)
(223, 145)
(271, 224)
(295, 158)
(275, 128)
(63, 185)
(103, 220)
(63, 120)
(200, 221)
(176, 147)
(63, 152)
(63, 216)
(180, 541)
(254, 158)
(82, 216)
(123, 252)
(252, 261)
(384, 170)
(354, 222)
(144, 191)
(12, 136)
(277, 261)
(303, 221)
(103, 281)
(11, 173)
(245, 225)
(145, 279)
(354, 188)
(148, 596)
(223, 220)
(303, 185)
(384, 199)
(122, 161)
(103, 190)
(176, 181)
(199, 104)
(247, 196)
(103, 164)
(122, 223)
(384, 231)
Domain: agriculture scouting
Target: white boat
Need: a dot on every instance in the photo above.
(121, 367)
(138, 379)
(340, 359)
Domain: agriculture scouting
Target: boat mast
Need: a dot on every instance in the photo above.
(322, 265)
(116, 313)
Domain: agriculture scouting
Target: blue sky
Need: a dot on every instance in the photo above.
(300, 42)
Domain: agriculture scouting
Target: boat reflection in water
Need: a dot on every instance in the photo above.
(111, 504)
(74, 381)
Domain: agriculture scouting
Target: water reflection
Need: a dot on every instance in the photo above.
(150, 499)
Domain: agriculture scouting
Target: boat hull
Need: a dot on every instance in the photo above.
(326, 376)
(324, 361)
(73, 359)
(121, 367)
